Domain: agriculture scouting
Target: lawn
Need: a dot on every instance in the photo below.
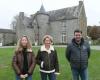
(6, 72)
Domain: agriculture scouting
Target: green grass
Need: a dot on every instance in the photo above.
(7, 73)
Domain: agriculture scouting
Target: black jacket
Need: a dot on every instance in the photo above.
(49, 60)
(78, 54)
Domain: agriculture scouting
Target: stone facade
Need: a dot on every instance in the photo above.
(7, 37)
(59, 23)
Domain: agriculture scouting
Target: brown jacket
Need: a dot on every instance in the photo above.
(17, 62)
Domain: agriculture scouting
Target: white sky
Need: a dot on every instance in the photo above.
(10, 8)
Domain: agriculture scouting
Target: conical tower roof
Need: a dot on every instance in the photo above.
(42, 9)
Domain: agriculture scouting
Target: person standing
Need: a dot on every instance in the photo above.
(24, 59)
(78, 53)
(47, 59)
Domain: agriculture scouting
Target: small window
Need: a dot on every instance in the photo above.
(63, 37)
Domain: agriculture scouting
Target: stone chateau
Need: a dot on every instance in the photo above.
(60, 24)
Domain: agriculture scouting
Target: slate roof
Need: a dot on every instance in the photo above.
(6, 31)
(42, 9)
(62, 14)
(65, 13)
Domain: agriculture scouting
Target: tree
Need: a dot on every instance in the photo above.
(94, 33)
(14, 22)
(88, 30)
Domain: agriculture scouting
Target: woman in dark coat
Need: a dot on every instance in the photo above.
(47, 59)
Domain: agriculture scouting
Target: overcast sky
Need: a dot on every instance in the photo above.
(10, 8)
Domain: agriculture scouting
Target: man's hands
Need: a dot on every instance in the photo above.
(23, 76)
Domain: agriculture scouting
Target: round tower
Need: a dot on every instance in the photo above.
(42, 20)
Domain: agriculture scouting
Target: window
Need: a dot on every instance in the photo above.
(63, 37)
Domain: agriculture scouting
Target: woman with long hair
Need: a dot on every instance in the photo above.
(24, 59)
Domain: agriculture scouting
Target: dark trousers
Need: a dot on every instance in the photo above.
(51, 76)
(82, 73)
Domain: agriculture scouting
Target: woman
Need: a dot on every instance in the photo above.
(24, 60)
(47, 59)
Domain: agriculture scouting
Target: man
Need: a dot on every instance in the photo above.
(78, 53)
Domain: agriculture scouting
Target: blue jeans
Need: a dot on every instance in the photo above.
(51, 76)
(83, 73)
(28, 78)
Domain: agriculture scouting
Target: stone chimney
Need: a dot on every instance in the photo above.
(21, 15)
(80, 3)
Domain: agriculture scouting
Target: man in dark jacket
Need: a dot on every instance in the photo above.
(78, 53)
